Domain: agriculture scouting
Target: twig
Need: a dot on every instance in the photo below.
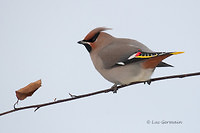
(15, 104)
(72, 96)
(37, 106)
(36, 109)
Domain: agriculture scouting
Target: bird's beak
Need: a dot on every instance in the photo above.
(86, 44)
(83, 42)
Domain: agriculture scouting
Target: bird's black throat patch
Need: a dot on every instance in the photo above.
(88, 47)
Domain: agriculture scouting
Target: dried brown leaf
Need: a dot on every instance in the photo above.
(28, 90)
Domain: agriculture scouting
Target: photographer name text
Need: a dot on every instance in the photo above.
(164, 122)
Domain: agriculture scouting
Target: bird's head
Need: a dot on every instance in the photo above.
(95, 38)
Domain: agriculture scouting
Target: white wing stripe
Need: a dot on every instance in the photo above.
(132, 56)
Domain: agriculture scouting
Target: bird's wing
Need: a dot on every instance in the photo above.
(121, 51)
(126, 52)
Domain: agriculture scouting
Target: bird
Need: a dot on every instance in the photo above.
(122, 60)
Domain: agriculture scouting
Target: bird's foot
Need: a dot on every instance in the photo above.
(148, 82)
(114, 88)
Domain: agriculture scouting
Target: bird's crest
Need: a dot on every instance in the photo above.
(92, 33)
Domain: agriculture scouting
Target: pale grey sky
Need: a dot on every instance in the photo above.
(38, 40)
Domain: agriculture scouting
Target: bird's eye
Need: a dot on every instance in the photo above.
(93, 39)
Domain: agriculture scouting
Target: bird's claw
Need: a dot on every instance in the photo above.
(148, 82)
(114, 88)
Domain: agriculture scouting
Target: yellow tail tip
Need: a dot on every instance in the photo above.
(174, 53)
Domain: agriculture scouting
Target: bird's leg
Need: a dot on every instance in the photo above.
(148, 82)
(114, 88)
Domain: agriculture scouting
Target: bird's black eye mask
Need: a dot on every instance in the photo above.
(93, 39)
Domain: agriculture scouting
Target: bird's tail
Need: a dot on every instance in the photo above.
(174, 53)
(157, 59)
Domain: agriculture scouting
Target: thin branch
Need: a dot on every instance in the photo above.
(74, 97)
(15, 104)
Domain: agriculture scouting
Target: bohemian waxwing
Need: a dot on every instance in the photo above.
(122, 61)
